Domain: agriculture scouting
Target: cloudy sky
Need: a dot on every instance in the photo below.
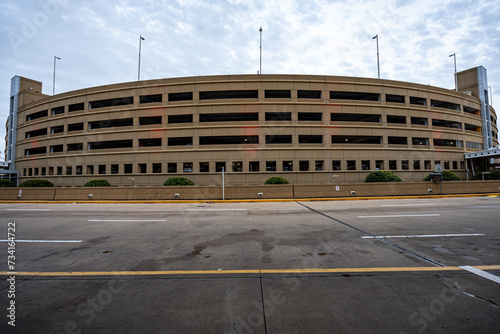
(98, 41)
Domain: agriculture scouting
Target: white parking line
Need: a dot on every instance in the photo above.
(408, 204)
(28, 210)
(125, 220)
(482, 273)
(399, 216)
(56, 241)
(423, 236)
(215, 209)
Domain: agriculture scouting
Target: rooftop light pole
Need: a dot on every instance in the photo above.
(260, 30)
(378, 60)
(54, 78)
(139, 70)
(455, 59)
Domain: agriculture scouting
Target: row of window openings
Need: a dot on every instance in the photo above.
(251, 117)
(248, 94)
(241, 140)
(237, 166)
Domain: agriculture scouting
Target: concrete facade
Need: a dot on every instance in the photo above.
(305, 128)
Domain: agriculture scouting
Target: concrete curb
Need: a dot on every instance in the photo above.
(256, 200)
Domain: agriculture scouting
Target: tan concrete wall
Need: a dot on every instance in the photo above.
(46, 165)
(250, 192)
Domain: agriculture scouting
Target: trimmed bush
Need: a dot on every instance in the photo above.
(97, 183)
(447, 176)
(382, 176)
(276, 180)
(178, 181)
(36, 183)
(492, 176)
(6, 183)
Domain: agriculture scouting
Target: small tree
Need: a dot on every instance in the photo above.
(97, 183)
(6, 183)
(178, 181)
(447, 176)
(491, 176)
(36, 183)
(276, 180)
(382, 176)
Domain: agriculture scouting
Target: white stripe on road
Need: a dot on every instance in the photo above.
(215, 209)
(125, 220)
(399, 216)
(423, 236)
(481, 273)
(56, 241)
(407, 204)
(28, 210)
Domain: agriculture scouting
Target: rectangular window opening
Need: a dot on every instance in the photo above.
(183, 96)
(395, 98)
(229, 140)
(310, 116)
(278, 94)
(278, 139)
(175, 119)
(309, 94)
(150, 98)
(422, 101)
(111, 123)
(354, 96)
(254, 166)
(347, 117)
(271, 166)
(76, 107)
(278, 116)
(180, 141)
(229, 94)
(396, 119)
(230, 117)
(310, 139)
(150, 142)
(115, 102)
(150, 120)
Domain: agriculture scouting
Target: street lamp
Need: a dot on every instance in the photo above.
(455, 59)
(139, 71)
(54, 79)
(260, 30)
(378, 60)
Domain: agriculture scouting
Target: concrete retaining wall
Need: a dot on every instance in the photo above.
(249, 192)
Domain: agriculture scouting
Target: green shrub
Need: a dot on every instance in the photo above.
(447, 176)
(492, 176)
(178, 181)
(36, 183)
(276, 180)
(382, 176)
(6, 183)
(97, 183)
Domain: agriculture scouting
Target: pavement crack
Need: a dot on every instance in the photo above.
(454, 284)
(263, 304)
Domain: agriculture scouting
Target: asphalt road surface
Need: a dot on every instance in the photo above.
(378, 266)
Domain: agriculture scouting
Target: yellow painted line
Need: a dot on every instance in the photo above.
(247, 271)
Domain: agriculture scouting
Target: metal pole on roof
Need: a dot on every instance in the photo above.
(54, 78)
(378, 59)
(455, 59)
(260, 30)
(139, 70)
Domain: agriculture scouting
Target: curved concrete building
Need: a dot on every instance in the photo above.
(306, 128)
